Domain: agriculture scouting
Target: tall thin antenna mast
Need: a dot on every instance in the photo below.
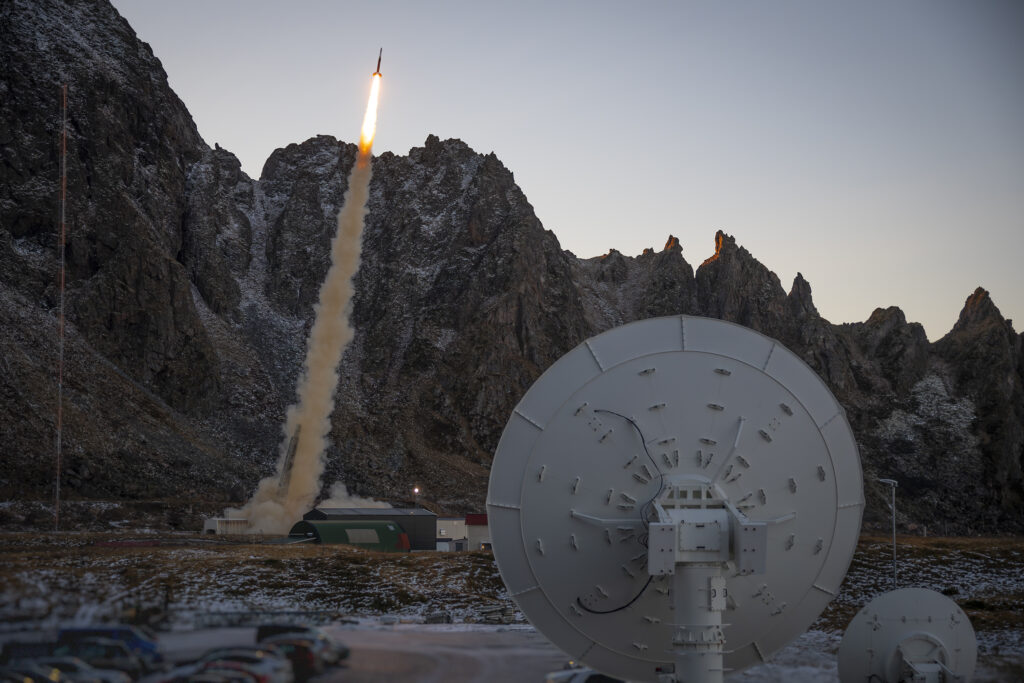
(60, 320)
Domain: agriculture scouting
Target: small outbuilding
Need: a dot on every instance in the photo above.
(449, 545)
(451, 533)
(225, 525)
(369, 534)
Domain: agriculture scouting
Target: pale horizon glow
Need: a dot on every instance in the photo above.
(875, 147)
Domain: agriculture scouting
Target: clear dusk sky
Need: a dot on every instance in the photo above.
(876, 146)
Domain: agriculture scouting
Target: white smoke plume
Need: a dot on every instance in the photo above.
(341, 498)
(282, 499)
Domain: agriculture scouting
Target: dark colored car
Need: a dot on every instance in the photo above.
(9, 676)
(578, 674)
(264, 631)
(25, 649)
(30, 672)
(103, 653)
(225, 671)
(143, 644)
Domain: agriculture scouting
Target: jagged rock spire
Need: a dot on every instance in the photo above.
(978, 310)
(799, 300)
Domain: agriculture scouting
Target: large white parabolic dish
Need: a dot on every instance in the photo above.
(595, 439)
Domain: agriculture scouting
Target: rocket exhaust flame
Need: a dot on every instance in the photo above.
(369, 121)
(282, 499)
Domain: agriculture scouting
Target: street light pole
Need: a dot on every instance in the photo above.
(892, 484)
(416, 493)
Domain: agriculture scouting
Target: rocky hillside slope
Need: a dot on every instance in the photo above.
(191, 285)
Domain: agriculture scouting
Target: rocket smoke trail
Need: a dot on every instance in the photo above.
(282, 499)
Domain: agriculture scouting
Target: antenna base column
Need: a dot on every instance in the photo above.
(698, 598)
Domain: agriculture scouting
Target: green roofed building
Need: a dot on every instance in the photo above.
(370, 534)
(420, 524)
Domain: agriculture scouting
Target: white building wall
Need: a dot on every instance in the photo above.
(225, 525)
(478, 535)
(451, 527)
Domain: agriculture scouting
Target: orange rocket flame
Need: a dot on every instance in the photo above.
(369, 120)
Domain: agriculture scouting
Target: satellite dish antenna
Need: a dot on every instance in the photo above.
(674, 498)
(910, 634)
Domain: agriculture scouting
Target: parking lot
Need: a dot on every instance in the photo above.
(407, 652)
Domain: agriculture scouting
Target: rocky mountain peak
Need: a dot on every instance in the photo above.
(733, 285)
(979, 311)
(801, 304)
(886, 319)
(436, 152)
(900, 348)
(985, 354)
(980, 329)
(724, 245)
(613, 267)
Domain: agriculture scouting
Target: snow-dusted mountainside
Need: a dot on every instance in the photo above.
(191, 286)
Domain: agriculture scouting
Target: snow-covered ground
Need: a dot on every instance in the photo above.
(48, 580)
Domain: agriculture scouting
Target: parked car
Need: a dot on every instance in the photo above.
(574, 673)
(264, 631)
(80, 671)
(26, 649)
(30, 672)
(306, 655)
(268, 664)
(319, 647)
(333, 650)
(102, 653)
(9, 676)
(178, 674)
(141, 642)
(225, 671)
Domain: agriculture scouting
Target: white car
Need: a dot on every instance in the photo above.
(78, 670)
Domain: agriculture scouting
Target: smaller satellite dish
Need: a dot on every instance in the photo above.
(910, 634)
